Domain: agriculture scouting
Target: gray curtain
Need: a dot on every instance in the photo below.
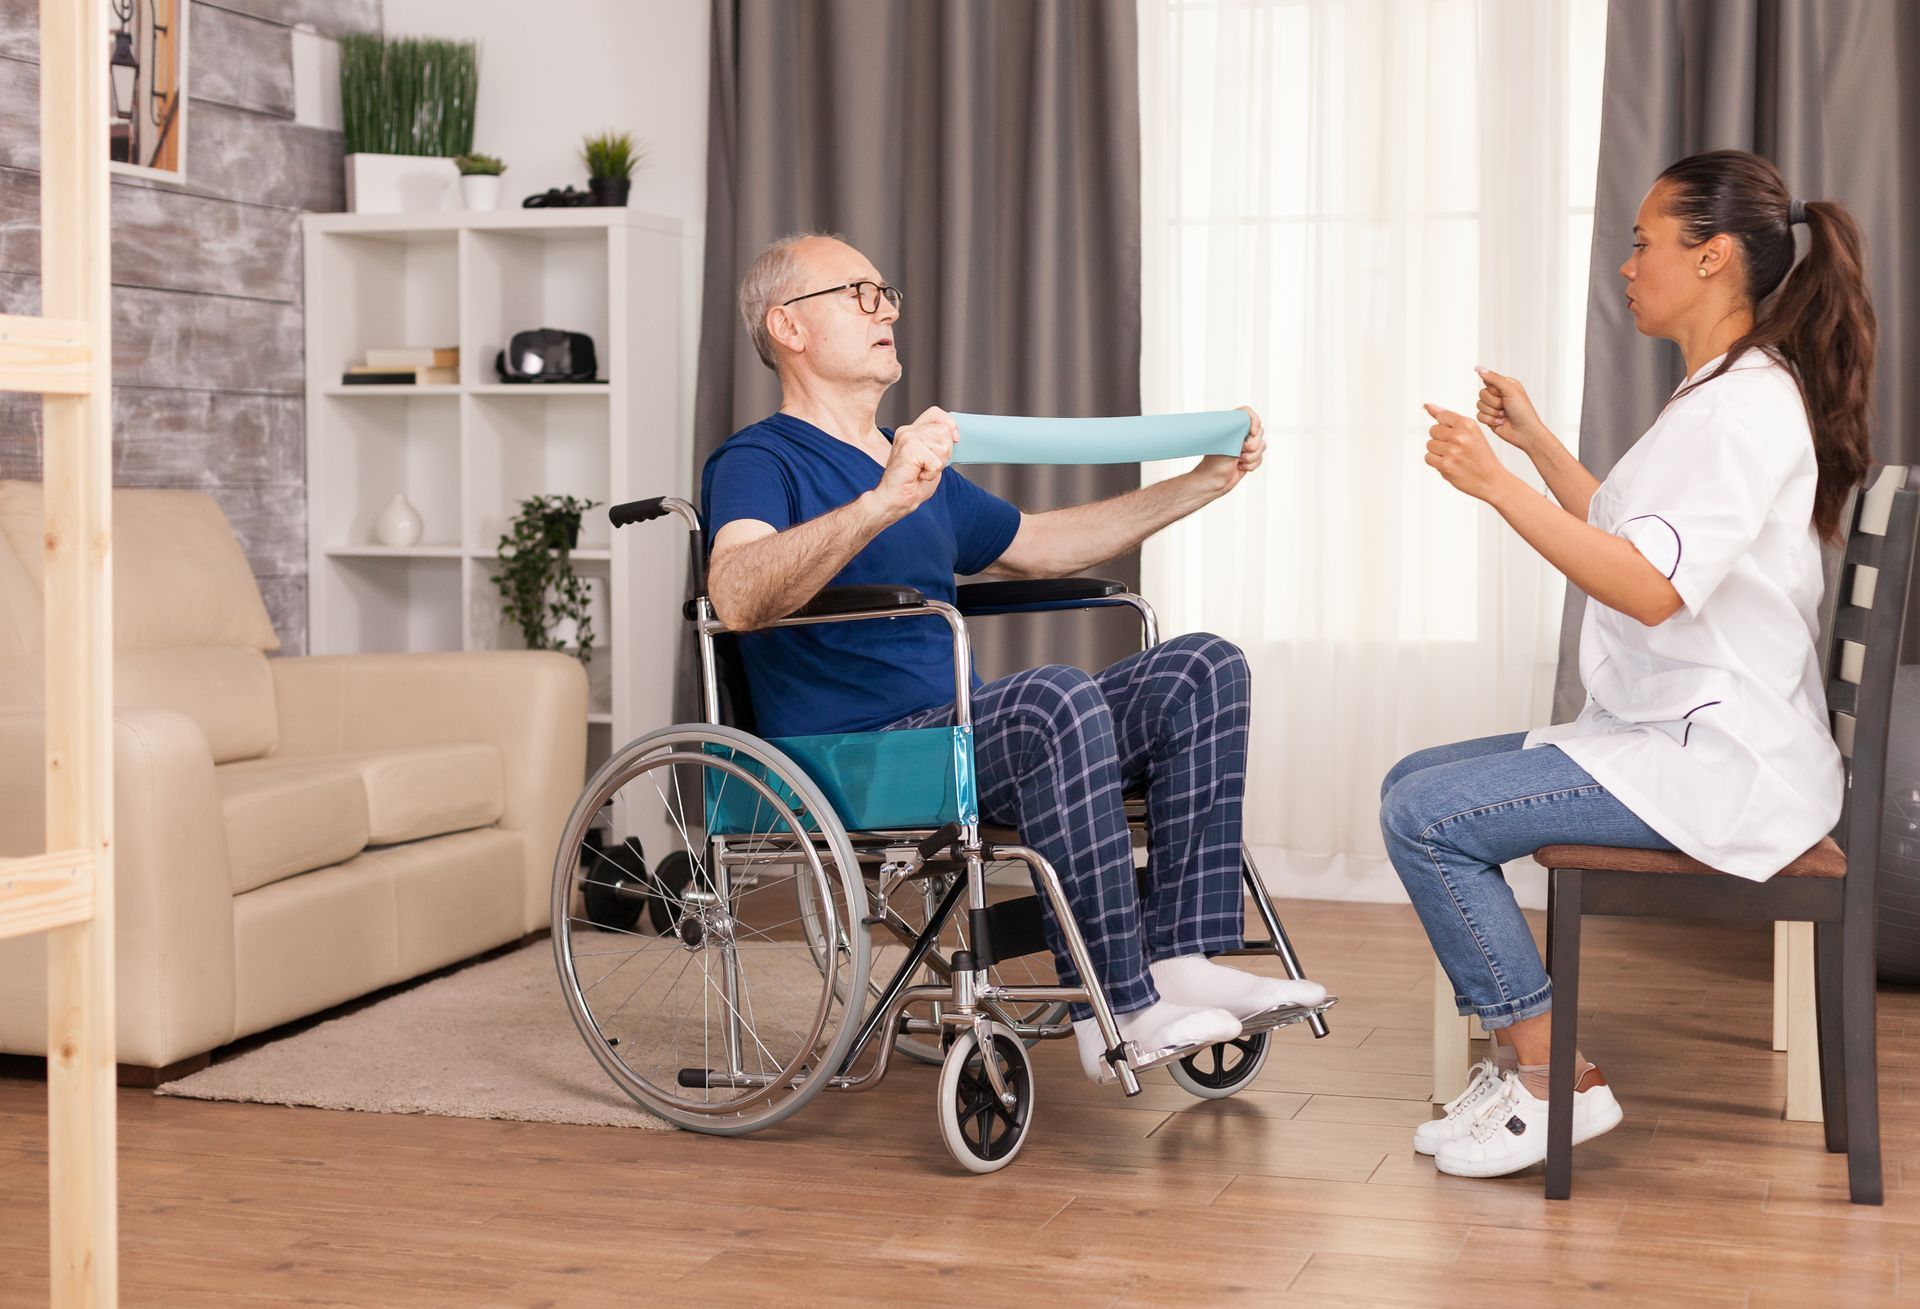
(1827, 89)
(986, 157)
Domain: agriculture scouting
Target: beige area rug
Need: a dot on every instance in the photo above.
(494, 1041)
(491, 1041)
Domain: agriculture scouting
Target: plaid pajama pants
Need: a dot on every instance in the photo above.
(1055, 750)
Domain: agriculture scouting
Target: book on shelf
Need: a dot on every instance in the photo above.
(414, 356)
(372, 375)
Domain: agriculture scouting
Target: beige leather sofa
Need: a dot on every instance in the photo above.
(290, 833)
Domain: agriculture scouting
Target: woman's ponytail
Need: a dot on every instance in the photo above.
(1822, 322)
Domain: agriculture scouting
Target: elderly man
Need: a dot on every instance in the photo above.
(818, 495)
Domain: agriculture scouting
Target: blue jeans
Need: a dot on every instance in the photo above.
(1451, 816)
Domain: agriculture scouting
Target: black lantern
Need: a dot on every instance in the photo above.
(123, 69)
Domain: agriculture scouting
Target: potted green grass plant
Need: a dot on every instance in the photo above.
(611, 158)
(406, 109)
(479, 180)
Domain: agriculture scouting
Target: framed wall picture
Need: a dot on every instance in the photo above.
(147, 88)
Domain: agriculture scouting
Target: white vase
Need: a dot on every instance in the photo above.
(399, 524)
(480, 190)
(385, 184)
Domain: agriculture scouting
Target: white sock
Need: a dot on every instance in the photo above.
(1194, 979)
(1159, 1026)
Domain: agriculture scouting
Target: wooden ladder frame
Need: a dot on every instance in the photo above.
(66, 356)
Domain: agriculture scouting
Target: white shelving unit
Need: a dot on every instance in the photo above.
(466, 454)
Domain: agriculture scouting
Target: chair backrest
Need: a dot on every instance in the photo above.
(1869, 616)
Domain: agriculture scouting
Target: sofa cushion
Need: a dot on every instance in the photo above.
(189, 627)
(412, 792)
(179, 575)
(387, 915)
(228, 690)
(287, 817)
(430, 790)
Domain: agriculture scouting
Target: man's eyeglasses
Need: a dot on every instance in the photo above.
(868, 293)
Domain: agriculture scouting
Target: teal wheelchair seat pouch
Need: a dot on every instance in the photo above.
(992, 439)
(875, 781)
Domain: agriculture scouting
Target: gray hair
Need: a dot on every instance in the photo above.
(769, 280)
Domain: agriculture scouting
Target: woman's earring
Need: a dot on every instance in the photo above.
(1703, 270)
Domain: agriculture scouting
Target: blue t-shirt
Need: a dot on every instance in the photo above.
(851, 677)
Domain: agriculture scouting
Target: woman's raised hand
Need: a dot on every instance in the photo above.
(1456, 447)
(1506, 407)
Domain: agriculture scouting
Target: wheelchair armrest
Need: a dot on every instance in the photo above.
(858, 599)
(1036, 594)
(847, 600)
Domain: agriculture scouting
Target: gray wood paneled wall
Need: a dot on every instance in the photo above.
(208, 373)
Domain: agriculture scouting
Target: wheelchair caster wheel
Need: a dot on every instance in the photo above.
(616, 882)
(980, 1131)
(1214, 1072)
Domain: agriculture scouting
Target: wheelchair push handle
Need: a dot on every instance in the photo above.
(638, 511)
(645, 511)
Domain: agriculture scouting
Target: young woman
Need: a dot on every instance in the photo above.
(1705, 727)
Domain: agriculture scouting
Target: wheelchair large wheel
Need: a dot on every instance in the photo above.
(1214, 1072)
(980, 1130)
(729, 1020)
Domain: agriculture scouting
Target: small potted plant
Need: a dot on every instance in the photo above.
(611, 158)
(539, 590)
(479, 180)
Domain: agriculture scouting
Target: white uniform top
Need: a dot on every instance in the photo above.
(1712, 727)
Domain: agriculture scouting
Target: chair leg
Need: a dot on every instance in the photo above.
(1862, 1072)
(1803, 1026)
(1564, 943)
(1550, 908)
(1452, 1040)
(1827, 988)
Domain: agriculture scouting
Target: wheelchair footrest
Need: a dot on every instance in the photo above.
(1285, 1015)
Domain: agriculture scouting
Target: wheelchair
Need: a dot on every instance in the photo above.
(741, 923)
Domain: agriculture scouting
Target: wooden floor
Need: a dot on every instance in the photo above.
(1304, 1190)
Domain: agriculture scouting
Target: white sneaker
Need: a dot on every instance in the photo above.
(1510, 1131)
(1460, 1110)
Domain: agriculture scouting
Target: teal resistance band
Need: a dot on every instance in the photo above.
(991, 439)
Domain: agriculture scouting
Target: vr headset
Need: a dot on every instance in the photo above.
(547, 354)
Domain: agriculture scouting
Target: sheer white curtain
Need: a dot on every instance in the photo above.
(1347, 205)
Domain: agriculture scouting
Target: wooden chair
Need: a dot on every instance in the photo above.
(1832, 885)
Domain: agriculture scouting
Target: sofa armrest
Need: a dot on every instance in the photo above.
(173, 893)
(531, 705)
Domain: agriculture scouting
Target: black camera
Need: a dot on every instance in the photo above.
(556, 198)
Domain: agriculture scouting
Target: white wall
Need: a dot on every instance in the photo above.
(553, 71)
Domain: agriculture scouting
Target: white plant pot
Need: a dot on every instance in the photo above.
(388, 184)
(480, 190)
